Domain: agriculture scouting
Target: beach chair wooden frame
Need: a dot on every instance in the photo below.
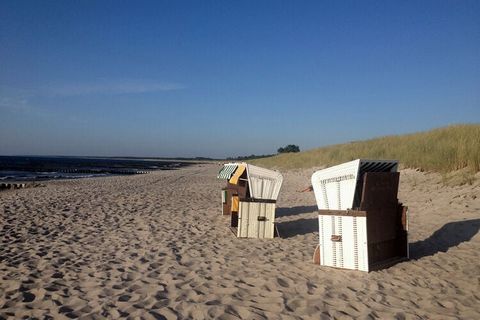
(370, 237)
(249, 198)
(255, 219)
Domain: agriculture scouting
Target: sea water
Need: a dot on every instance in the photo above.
(35, 168)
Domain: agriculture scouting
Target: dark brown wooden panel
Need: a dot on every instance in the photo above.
(347, 213)
(257, 200)
(379, 189)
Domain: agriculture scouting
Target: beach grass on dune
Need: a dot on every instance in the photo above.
(443, 150)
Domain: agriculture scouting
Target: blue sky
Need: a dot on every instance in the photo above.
(228, 78)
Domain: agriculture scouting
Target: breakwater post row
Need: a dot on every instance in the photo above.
(11, 186)
(109, 171)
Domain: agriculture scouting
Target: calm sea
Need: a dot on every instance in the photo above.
(33, 168)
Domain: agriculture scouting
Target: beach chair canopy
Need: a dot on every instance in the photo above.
(338, 187)
(227, 171)
(262, 183)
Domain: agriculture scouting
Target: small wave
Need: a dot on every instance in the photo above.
(6, 177)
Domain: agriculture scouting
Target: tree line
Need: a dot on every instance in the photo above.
(287, 149)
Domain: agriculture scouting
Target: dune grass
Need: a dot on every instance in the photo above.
(442, 150)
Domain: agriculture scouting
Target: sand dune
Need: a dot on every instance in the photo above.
(156, 247)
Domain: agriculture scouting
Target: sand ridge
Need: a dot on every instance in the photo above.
(156, 247)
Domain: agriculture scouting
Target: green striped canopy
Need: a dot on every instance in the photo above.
(227, 171)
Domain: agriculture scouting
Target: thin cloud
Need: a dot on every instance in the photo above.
(13, 99)
(109, 87)
(24, 99)
(18, 101)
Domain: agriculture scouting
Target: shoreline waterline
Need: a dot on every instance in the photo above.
(33, 168)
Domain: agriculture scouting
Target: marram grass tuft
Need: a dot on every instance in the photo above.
(442, 150)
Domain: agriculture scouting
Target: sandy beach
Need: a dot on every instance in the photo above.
(155, 246)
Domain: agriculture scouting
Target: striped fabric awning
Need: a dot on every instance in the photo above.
(227, 171)
(240, 170)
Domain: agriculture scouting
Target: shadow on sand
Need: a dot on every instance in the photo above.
(284, 212)
(448, 236)
(296, 227)
(293, 228)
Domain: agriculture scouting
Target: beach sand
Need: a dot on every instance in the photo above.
(155, 246)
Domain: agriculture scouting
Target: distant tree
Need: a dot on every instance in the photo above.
(289, 148)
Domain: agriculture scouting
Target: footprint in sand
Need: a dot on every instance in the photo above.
(28, 296)
(283, 283)
(124, 298)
